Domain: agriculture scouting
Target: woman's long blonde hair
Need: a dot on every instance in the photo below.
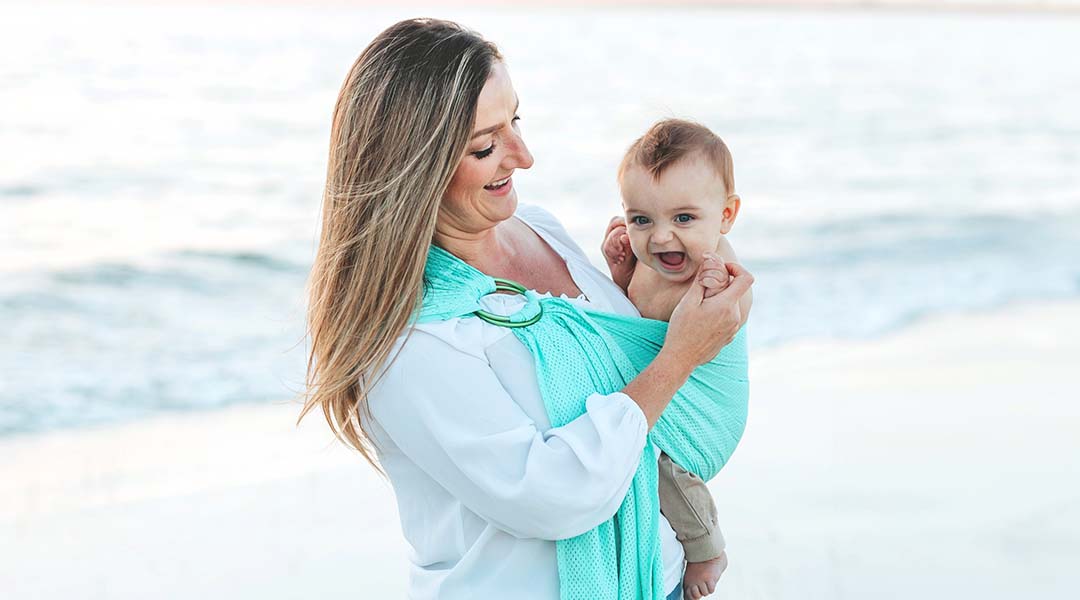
(401, 124)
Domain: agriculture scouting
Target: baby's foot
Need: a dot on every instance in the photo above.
(700, 578)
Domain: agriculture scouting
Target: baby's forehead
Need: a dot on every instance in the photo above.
(690, 168)
(683, 183)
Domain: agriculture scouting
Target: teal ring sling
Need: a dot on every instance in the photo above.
(577, 352)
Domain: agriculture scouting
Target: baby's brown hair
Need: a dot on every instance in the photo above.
(672, 140)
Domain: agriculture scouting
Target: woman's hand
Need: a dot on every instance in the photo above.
(616, 249)
(698, 329)
(701, 326)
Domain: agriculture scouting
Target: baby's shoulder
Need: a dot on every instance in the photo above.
(725, 250)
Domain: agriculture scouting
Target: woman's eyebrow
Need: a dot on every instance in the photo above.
(486, 131)
(495, 128)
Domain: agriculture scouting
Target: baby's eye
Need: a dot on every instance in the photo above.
(639, 220)
(684, 218)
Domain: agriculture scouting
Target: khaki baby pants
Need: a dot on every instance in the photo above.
(689, 507)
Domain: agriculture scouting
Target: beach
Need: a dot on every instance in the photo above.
(937, 461)
(910, 183)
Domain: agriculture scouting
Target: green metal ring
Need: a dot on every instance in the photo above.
(506, 285)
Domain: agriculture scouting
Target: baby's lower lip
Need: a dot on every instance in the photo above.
(672, 267)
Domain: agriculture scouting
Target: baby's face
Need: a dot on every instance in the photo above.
(673, 221)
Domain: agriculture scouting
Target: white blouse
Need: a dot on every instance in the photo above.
(484, 483)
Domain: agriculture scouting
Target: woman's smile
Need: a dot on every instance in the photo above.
(501, 187)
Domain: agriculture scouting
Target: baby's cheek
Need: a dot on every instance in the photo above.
(638, 246)
(699, 245)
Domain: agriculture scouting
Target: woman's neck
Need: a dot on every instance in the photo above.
(488, 251)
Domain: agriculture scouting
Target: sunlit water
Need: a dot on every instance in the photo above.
(160, 173)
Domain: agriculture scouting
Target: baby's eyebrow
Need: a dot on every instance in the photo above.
(678, 209)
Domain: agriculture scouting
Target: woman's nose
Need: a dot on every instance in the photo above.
(519, 155)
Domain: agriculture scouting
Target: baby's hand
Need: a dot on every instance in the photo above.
(616, 248)
(715, 280)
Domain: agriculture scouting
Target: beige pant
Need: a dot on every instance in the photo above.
(689, 507)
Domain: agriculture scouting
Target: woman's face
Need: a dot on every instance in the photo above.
(481, 193)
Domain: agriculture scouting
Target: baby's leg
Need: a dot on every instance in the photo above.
(689, 507)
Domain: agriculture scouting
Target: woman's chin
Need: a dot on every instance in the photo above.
(504, 206)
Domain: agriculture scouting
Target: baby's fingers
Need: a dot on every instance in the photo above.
(615, 223)
(712, 268)
(611, 245)
(711, 291)
(717, 281)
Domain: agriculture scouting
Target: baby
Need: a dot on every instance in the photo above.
(678, 193)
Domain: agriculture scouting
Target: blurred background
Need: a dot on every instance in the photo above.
(904, 167)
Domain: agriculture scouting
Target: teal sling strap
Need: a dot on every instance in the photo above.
(578, 352)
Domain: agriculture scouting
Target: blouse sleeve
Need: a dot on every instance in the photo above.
(448, 413)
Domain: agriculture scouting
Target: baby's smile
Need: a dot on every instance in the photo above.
(672, 261)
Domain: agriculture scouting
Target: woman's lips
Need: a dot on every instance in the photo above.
(502, 189)
(672, 261)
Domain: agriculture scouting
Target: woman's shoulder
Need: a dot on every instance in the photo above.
(538, 215)
(424, 342)
(428, 352)
(542, 219)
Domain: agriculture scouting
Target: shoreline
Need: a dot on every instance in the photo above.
(946, 445)
(258, 407)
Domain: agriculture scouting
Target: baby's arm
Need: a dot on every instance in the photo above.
(620, 258)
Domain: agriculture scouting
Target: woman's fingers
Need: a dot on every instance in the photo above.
(705, 321)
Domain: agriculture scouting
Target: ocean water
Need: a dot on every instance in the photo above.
(160, 174)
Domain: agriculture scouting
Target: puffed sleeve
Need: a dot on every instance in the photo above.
(448, 413)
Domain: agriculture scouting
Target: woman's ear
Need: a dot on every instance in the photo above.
(731, 210)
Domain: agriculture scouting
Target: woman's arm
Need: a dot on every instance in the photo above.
(448, 413)
(699, 328)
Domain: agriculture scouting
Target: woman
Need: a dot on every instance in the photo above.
(424, 143)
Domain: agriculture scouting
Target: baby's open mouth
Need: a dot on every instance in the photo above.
(672, 261)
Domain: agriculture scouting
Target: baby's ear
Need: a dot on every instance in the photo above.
(731, 211)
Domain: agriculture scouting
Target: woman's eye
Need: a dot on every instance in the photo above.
(639, 220)
(684, 218)
(515, 119)
(485, 152)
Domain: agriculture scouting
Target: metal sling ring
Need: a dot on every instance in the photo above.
(505, 285)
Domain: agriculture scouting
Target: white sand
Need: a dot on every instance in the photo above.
(936, 463)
